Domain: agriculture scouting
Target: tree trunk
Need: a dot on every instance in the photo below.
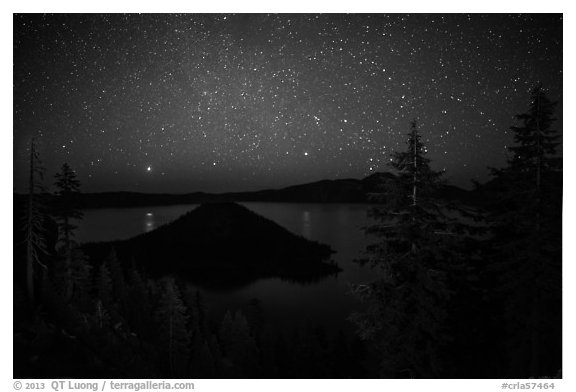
(29, 230)
(414, 179)
(535, 336)
(170, 344)
(68, 262)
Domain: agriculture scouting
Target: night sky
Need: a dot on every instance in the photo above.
(182, 103)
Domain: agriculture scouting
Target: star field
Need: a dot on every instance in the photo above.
(181, 103)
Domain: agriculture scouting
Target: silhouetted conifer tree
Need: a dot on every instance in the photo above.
(65, 211)
(238, 345)
(101, 314)
(80, 278)
(216, 354)
(104, 285)
(172, 318)
(255, 317)
(117, 276)
(34, 220)
(195, 304)
(310, 353)
(416, 248)
(139, 312)
(527, 240)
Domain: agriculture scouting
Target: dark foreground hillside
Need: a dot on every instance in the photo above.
(130, 312)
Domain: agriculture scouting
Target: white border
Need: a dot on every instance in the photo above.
(380, 6)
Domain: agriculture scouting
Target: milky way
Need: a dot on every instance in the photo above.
(180, 103)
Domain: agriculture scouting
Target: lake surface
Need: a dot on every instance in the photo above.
(285, 304)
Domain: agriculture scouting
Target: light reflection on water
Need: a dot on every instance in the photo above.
(306, 225)
(149, 223)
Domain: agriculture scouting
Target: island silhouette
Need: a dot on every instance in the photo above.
(221, 245)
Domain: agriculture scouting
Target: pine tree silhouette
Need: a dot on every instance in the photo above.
(80, 278)
(238, 345)
(526, 221)
(417, 246)
(34, 220)
(104, 285)
(172, 318)
(65, 212)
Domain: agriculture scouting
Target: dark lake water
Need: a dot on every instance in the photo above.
(327, 302)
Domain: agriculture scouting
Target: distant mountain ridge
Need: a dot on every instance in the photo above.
(324, 191)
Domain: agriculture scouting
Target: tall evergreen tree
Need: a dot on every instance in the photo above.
(172, 317)
(66, 211)
(406, 312)
(117, 275)
(534, 154)
(34, 220)
(527, 242)
(80, 278)
(238, 345)
(104, 285)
